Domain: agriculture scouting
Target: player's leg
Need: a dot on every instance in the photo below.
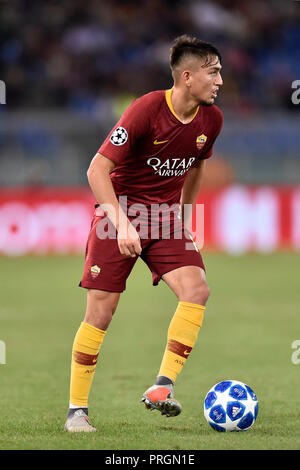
(101, 306)
(183, 270)
(190, 286)
(105, 275)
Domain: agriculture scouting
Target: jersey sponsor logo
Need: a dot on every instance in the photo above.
(171, 166)
(119, 136)
(200, 141)
(95, 271)
(158, 142)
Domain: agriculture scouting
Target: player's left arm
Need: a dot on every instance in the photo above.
(193, 180)
(190, 191)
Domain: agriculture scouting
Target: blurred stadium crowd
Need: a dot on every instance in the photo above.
(71, 67)
(77, 54)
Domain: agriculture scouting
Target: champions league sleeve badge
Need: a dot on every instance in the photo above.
(119, 136)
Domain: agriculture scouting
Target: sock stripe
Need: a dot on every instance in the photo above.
(85, 359)
(178, 348)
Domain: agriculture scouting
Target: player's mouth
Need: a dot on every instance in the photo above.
(215, 94)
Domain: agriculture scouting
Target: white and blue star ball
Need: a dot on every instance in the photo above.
(231, 405)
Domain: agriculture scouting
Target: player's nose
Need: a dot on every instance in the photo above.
(219, 80)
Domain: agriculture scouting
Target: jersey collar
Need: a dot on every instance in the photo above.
(168, 95)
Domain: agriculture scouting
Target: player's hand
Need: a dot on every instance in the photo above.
(129, 242)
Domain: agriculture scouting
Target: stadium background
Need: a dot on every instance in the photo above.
(70, 69)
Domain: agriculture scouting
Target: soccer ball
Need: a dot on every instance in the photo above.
(230, 406)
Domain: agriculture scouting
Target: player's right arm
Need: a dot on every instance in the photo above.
(99, 179)
(117, 149)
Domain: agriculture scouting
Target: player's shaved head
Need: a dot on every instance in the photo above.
(186, 49)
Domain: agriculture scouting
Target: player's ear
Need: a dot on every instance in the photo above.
(186, 75)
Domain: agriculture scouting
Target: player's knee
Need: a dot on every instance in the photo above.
(198, 293)
(205, 292)
(101, 306)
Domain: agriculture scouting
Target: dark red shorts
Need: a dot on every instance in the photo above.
(106, 269)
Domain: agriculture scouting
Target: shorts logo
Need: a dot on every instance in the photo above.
(95, 271)
(200, 141)
(119, 136)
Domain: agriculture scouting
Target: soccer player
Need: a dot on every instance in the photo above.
(150, 164)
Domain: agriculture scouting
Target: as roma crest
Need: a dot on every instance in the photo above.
(200, 141)
(95, 271)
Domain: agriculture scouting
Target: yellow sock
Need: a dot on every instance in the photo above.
(182, 335)
(85, 352)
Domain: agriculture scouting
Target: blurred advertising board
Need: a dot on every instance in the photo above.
(237, 219)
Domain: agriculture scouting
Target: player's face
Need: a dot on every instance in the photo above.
(205, 81)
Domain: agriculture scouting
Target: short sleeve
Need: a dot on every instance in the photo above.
(218, 123)
(132, 126)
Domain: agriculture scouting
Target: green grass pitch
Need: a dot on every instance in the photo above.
(251, 320)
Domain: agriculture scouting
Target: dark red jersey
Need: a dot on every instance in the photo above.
(153, 150)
